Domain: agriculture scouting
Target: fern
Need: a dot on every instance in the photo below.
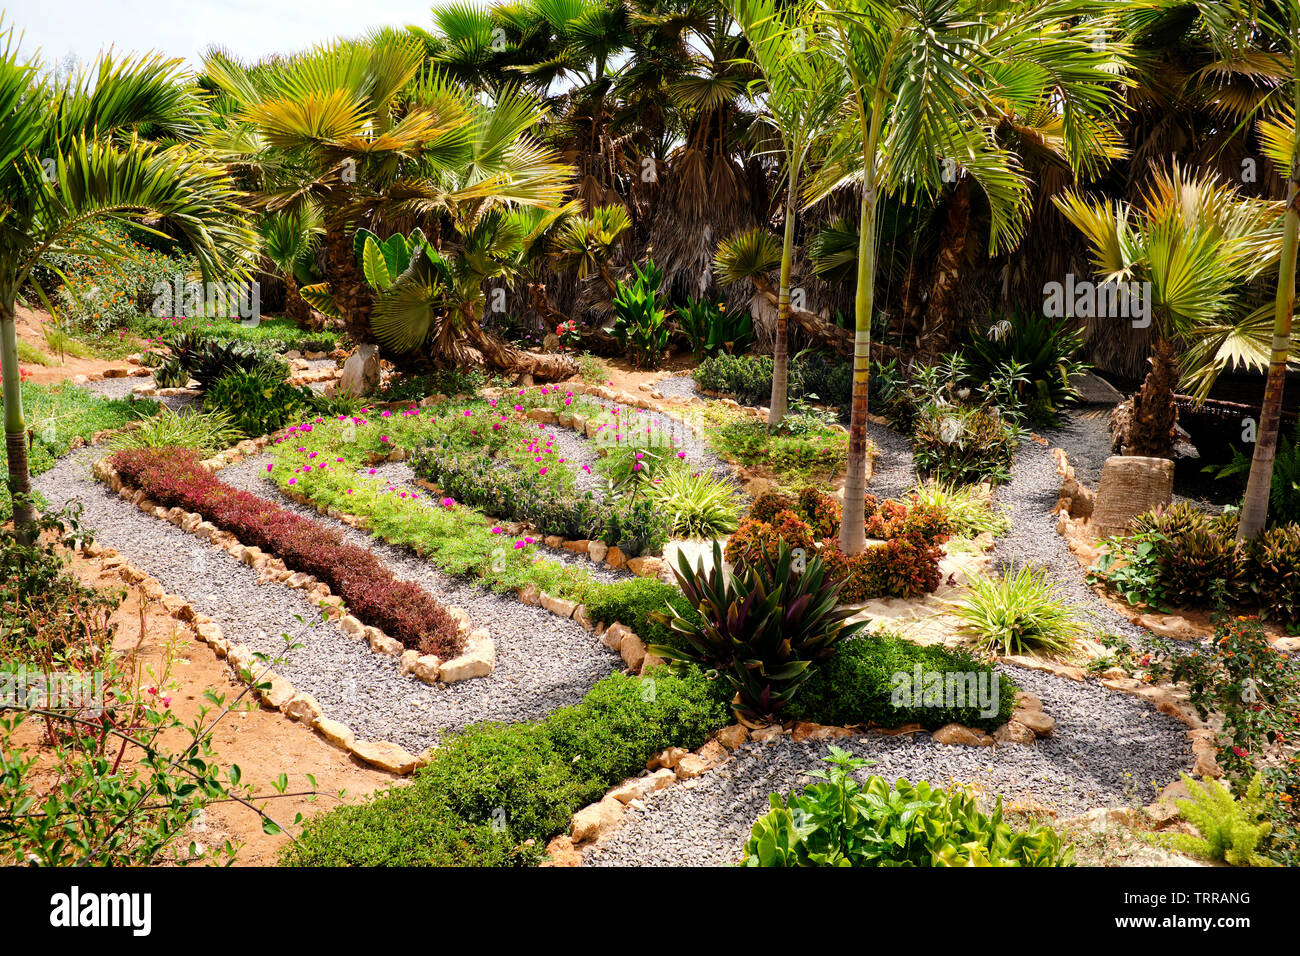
(1230, 830)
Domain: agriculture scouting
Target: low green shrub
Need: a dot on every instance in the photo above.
(257, 402)
(840, 822)
(872, 680)
(1229, 830)
(962, 444)
(494, 794)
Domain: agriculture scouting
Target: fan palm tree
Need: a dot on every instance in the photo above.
(71, 157)
(289, 240)
(924, 73)
(1193, 242)
(801, 96)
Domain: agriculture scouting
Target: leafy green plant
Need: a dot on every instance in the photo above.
(641, 327)
(1230, 830)
(763, 627)
(208, 360)
(840, 822)
(710, 329)
(1017, 612)
(1044, 351)
(969, 511)
(962, 444)
(170, 373)
(258, 403)
(698, 504)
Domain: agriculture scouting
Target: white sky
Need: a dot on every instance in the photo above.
(185, 28)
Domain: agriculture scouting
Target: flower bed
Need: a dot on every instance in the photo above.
(175, 478)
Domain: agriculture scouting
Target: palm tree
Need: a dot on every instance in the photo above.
(1284, 149)
(1193, 241)
(801, 96)
(289, 240)
(71, 157)
(924, 74)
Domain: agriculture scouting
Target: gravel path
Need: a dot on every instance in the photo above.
(1107, 750)
(680, 386)
(543, 662)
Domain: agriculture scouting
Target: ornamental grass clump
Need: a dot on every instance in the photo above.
(1017, 612)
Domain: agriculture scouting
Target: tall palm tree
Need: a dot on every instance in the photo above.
(1280, 21)
(71, 157)
(1194, 240)
(924, 73)
(801, 95)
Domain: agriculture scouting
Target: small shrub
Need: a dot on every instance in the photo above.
(697, 504)
(858, 684)
(259, 403)
(962, 445)
(763, 627)
(1230, 830)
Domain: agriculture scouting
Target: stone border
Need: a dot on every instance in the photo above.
(478, 659)
(279, 694)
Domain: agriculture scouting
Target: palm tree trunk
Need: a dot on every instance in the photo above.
(1154, 415)
(781, 347)
(295, 306)
(853, 537)
(347, 283)
(941, 307)
(20, 481)
(1254, 507)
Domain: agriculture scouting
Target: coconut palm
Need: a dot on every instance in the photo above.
(1193, 241)
(71, 157)
(801, 95)
(924, 75)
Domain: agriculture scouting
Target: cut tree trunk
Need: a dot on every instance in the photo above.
(1154, 414)
(347, 283)
(504, 358)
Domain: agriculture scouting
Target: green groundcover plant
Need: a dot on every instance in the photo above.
(841, 822)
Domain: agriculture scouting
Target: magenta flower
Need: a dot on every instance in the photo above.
(293, 481)
(542, 470)
(518, 545)
(496, 529)
(270, 467)
(448, 503)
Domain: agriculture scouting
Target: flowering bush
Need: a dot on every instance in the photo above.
(906, 564)
(174, 478)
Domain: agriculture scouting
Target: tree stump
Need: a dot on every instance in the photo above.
(1130, 485)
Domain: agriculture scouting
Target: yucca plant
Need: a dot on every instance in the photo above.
(1017, 613)
(763, 627)
(699, 504)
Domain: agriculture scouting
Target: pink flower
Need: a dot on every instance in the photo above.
(530, 540)
(496, 529)
(681, 454)
(636, 466)
(519, 408)
(518, 545)
(385, 414)
(448, 503)
(270, 467)
(541, 471)
(349, 491)
(372, 471)
(293, 481)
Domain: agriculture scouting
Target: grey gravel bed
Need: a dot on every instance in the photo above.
(679, 386)
(1107, 750)
(543, 662)
(123, 388)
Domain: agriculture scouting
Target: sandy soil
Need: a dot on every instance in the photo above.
(29, 322)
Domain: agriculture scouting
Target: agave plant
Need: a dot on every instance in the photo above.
(763, 627)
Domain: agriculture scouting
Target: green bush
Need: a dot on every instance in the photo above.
(711, 330)
(1045, 352)
(640, 326)
(258, 403)
(858, 686)
(962, 444)
(840, 822)
(747, 378)
(495, 787)
(1018, 612)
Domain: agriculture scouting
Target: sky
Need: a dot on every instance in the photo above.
(185, 28)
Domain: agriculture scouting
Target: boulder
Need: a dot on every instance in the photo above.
(596, 821)
(384, 755)
(1014, 732)
(733, 736)
(1130, 485)
(596, 550)
(1037, 721)
(637, 788)
(956, 735)
(361, 372)
(691, 766)
(304, 708)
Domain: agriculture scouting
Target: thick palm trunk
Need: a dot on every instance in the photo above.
(295, 306)
(347, 283)
(1254, 508)
(781, 347)
(941, 308)
(1154, 414)
(20, 482)
(853, 525)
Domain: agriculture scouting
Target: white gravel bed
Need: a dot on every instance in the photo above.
(1107, 750)
(543, 662)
